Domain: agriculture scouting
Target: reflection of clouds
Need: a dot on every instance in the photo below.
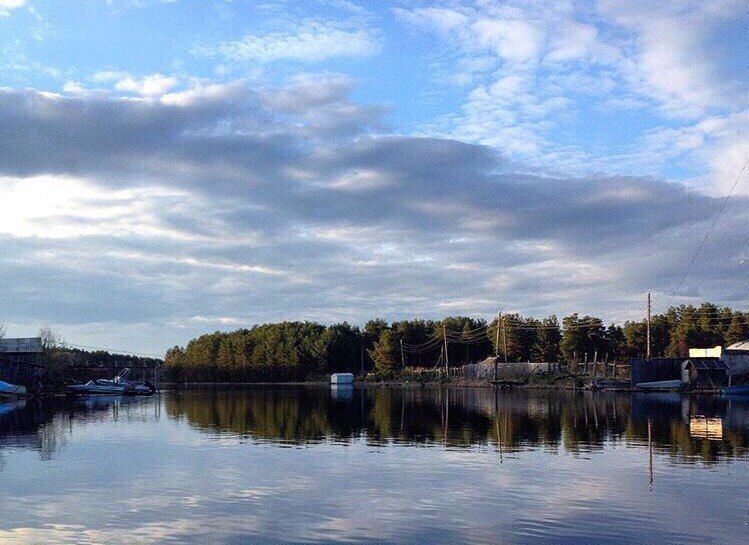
(54, 534)
(163, 481)
(331, 493)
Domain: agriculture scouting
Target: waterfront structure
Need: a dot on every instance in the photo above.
(735, 356)
(20, 361)
(714, 352)
(342, 378)
(705, 372)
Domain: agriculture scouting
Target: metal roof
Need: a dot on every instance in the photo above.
(707, 364)
(30, 345)
(741, 346)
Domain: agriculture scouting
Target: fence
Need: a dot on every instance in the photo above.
(655, 369)
(505, 371)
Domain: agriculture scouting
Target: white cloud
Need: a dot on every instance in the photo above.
(536, 71)
(514, 40)
(7, 5)
(153, 85)
(672, 59)
(309, 41)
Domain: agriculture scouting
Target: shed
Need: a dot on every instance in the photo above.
(342, 378)
(656, 369)
(736, 357)
(20, 361)
(705, 372)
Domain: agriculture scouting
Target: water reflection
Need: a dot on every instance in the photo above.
(704, 428)
(461, 418)
(404, 465)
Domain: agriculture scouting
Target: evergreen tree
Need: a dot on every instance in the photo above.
(546, 347)
(384, 353)
(737, 330)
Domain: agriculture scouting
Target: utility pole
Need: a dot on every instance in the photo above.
(362, 360)
(648, 326)
(403, 358)
(447, 358)
(496, 347)
(504, 335)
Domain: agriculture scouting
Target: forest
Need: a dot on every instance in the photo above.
(295, 351)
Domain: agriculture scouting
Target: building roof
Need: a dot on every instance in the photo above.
(706, 364)
(741, 346)
(31, 345)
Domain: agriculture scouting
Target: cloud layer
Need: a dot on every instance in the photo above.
(234, 203)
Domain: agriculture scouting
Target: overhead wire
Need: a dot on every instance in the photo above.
(709, 233)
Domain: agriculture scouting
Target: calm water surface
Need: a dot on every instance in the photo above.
(311, 465)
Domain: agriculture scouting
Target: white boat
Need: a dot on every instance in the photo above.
(118, 386)
(138, 389)
(101, 387)
(11, 390)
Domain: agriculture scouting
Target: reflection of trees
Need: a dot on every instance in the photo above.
(46, 426)
(457, 417)
(578, 422)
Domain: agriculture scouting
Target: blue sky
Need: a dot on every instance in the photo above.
(209, 164)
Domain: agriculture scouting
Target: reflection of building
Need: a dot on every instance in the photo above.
(706, 428)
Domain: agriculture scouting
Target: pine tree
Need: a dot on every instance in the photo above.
(736, 330)
(546, 347)
(384, 353)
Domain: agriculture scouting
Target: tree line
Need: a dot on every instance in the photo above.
(291, 351)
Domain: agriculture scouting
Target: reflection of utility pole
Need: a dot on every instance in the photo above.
(447, 412)
(496, 413)
(650, 452)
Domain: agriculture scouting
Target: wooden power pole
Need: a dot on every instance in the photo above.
(496, 348)
(504, 335)
(447, 358)
(403, 358)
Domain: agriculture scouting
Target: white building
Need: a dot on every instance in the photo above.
(736, 356)
(714, 352)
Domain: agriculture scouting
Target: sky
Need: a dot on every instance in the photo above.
(174, 167)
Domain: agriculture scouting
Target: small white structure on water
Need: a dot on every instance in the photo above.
(342, 378)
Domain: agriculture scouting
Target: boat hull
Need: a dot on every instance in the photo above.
(11, 390)
(95, 389)
(742, 390)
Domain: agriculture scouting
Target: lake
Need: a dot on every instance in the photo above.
(380, 465)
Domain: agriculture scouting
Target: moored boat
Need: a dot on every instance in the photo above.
(100, 387)
(118, 386)
(11, 390)
(739, 390)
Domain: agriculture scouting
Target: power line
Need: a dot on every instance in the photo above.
(709, 233)
(113, 351)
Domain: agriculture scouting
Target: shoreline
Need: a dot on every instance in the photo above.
(413, 384)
